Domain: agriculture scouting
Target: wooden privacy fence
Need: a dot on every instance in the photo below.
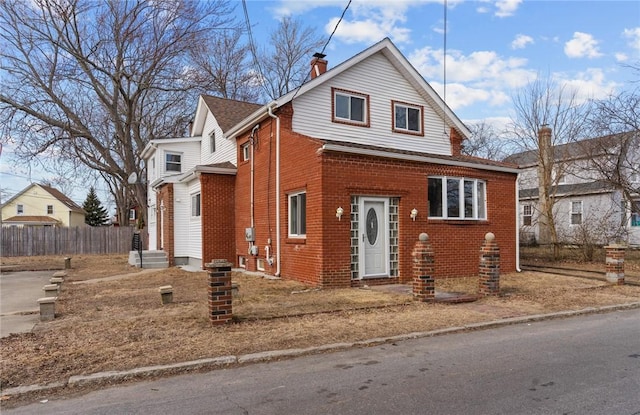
(37, 240)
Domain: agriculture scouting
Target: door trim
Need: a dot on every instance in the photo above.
(361, 245)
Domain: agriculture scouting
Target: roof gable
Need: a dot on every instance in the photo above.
(58, 195)
(227, 112)
(397, 59)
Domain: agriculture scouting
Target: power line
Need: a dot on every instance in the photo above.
(325, 46)
(252, 47)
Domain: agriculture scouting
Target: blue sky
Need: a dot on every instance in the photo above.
(493, 48)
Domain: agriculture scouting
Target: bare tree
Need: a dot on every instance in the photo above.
(546, 115)
(91, 82)
(285, 64)
(614, 156)
(484, 142)
(223, 64)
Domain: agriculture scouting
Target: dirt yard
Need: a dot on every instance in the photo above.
(119, 323)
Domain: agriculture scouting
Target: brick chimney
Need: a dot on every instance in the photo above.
(318, 65)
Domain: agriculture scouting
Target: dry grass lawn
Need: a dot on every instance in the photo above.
(120, 323)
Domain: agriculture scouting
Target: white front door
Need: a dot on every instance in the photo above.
(374, 240)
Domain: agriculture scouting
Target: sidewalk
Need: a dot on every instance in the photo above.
(19, 292)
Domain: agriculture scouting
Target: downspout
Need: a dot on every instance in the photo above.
(518, 224)
(272, 115)
(251, 187)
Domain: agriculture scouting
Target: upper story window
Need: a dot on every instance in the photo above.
(49, 209)
(173, 162)
(212, 141)
(350, 107)
(298, 215)
(407, 118)
(195, 205)
(132, 214)
(20, 209)
(245, 152)
(457, 198)
(576, 213)
(527, 214)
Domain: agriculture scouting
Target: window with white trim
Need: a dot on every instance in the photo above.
(20, 209)
(527, 215)
(298, 215)
(49, 209)
(407, 118)
(132, 214)
(576, 213)
(212, 141)
(173, 162)
(457, 198)
(195, 205)
(245, 151)
(350, 107)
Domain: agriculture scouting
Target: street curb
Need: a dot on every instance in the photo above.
(218, 362)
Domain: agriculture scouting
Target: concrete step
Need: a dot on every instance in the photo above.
(150, 259)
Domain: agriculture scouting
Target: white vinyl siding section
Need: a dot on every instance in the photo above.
(194, 241)
(314, 108)
(181, 216)
(225, 148)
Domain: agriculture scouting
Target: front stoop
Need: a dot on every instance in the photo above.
(150, 259)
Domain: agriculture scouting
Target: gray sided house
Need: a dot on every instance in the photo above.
(593, 200)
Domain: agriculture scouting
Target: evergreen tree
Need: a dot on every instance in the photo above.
(96, 213)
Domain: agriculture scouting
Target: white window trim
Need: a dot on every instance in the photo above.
(350, 94)
(475, 206)
(174, 153)
(212, 141)
(196, 210)
(51, 210)
(581, 213)
(132, 214)
(289, 216)
(245, 152)
(19, 209)
(530, 214)
(407, 106)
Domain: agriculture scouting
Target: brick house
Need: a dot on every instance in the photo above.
(334, 181)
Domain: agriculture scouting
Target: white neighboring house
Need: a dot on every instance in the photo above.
(584, 201)
(180, 161)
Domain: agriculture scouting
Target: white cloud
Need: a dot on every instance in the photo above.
(634, 38)
(521, 41)
(373, 20)
(480, 77)
(582, 45)
(507, 8)
(367, 31)
(589, 84)
(621, 57)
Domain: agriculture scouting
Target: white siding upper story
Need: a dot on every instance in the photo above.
(314, 108)
(225, 149)
(187, 148)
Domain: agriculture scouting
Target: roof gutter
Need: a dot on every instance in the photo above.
(413, 157)
(278, 243)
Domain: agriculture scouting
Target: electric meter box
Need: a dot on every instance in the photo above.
(250, 234)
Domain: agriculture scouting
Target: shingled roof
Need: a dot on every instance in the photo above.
(569, 151)
(229, 112)
(63, 198)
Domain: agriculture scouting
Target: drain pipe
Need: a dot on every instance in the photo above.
(518, 224)
(252, 144)
(272, 115)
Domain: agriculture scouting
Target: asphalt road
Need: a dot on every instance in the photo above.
(581, 365)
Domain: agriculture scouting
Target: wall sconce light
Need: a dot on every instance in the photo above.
(339, 213)
(414, 213)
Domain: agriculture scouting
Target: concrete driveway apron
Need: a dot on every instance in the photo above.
(19, 293)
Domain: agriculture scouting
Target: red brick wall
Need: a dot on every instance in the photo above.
(217, 192)
(165, 197)
(330, 179)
